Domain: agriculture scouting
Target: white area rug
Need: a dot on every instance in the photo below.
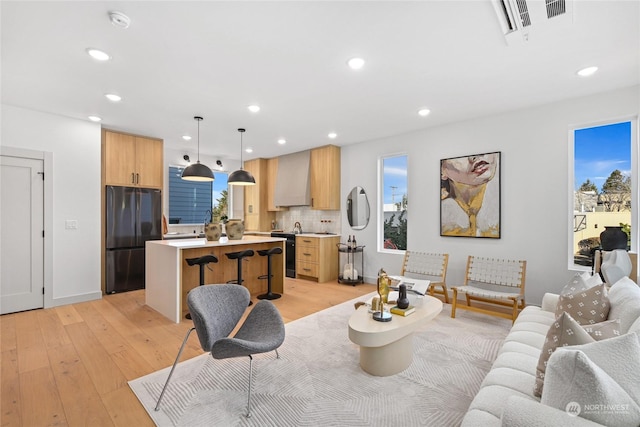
(318, 381)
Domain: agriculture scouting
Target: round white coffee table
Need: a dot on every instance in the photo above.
(386, 348)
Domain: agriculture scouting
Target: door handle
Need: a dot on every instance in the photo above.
(133, 178)
(137, 178)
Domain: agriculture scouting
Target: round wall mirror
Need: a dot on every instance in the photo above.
(357, 208)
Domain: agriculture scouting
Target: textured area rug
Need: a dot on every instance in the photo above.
(318, 381)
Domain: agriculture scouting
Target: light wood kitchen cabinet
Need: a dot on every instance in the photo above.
(317, 258)
(256, 215)
(131, 160)
(325, 178)
(272, 174)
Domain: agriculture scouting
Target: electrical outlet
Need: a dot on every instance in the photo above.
(71, 224)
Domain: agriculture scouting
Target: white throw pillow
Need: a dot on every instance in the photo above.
(565, 331)
(591, 280)
(599, 380)
(624, 298)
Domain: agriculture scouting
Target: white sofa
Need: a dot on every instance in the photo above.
(506, 395)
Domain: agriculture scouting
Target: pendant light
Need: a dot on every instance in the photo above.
(197, 171)
(241, 176)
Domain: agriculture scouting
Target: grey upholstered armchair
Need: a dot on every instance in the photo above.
(216, 310)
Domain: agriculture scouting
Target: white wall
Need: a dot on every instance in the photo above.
(534, 146)
(75, 178)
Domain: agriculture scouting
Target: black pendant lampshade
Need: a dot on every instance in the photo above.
(241, 176)
(197, 171)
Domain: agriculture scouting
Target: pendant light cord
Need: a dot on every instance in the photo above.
(198, 119)
(241, 130)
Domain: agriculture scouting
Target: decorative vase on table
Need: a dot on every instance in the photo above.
(613, 238)
(383, 291)
(403, 299)
(212, 231)
(235, 229)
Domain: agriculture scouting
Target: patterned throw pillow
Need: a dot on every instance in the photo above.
(566, 331)
(586, 306)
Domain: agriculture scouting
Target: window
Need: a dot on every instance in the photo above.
(393, 193)
(602, 186)
(189, 201)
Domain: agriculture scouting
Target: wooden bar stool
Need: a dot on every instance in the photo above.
(201, 261)
(268, 253)
(239, 256)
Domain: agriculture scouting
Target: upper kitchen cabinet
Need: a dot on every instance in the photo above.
(325, 178)
(256, 216)
(131, 160)
(272, 173)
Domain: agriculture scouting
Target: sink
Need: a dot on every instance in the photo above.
(325, 232)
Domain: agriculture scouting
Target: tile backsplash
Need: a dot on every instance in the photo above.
(311, 220)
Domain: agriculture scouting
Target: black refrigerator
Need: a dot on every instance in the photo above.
(134, 215)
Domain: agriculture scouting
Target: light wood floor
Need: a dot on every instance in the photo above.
(69, 365)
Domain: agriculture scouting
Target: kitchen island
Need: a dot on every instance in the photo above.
(168, 278)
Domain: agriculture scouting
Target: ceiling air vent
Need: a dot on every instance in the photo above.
(523, 10)
(519, 18)
(555, 8)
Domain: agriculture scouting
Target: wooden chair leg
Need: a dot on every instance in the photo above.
(454, 303)
(446, 293)
(515, 311)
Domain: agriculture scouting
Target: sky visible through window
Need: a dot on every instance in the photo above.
(598, 151)
(395, 179)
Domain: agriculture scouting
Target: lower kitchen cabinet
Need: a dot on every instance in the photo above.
(317, 258)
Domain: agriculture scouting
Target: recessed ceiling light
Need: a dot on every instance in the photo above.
(424, 112)
(186, 137)
(249, 150)
(333, 135)
(282, 141)
(113, 97)
(95, 118)
(98, 54)
(355, 63)
(589, 71)
(254, 108)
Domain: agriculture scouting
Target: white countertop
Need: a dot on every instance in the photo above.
(199, 243)
(320, 235)
(268, 233)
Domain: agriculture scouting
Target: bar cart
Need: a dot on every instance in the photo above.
(349, 274)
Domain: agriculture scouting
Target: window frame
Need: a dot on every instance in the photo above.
(635, 211)
(380, 205)
(213, 198)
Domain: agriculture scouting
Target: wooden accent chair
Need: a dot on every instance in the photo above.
(427, 266)
(492, 281)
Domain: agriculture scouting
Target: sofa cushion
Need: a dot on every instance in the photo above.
(565, 331)
(624, 297)
(523, 412)
(586, 306)
(601, 377)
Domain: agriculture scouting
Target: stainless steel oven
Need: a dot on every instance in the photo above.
(290, 253)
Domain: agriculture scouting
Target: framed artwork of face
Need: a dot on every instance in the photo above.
(470, 196)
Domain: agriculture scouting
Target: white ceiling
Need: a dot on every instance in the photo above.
(179, 59)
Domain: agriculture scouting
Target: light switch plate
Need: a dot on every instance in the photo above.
(71, 224)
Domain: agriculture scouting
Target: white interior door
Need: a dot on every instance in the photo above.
(21, 234)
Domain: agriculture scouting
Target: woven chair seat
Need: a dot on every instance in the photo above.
(495, 283)
(485, 293)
